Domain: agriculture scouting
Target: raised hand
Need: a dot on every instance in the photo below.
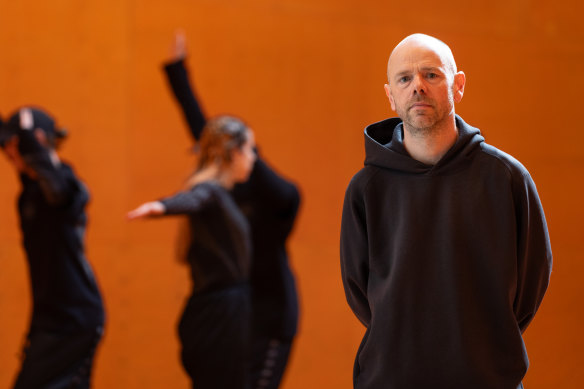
(179, 46)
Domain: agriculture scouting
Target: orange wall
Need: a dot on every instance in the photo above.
(307, 75)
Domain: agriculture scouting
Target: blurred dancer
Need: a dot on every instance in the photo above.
(214, 328)
(67, 313)
(270, 204)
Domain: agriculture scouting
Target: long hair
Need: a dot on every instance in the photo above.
(221, 135)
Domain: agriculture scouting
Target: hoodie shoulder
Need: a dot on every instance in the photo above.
(511, 164)
(361, 179)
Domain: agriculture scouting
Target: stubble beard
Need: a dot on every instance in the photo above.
(423, 124)
(419, 124)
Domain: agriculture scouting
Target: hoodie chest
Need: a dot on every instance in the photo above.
(405, 209)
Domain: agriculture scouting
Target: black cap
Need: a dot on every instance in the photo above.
(29, 119)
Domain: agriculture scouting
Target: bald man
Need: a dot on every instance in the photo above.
(445, 253)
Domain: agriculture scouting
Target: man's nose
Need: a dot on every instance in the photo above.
(419, 84)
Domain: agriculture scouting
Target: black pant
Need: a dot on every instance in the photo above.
(58, 360)
(214, 334)
(269, 359)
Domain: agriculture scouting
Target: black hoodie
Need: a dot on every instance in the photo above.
(445, 265)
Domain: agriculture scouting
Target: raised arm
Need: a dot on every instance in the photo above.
(42, 165)
(179, 82)
(277, 193)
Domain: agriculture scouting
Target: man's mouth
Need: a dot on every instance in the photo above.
(421, 104)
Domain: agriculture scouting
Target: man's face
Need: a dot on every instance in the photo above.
(422, 88)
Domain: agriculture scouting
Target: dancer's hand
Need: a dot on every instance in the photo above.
(152, 208)
(178, 50)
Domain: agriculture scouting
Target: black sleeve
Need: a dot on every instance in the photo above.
(178, 78)
(53, 181)
(354, 251)
(189, 201)
(276, 193)
(534, 261)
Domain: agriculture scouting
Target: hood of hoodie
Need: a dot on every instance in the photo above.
(384, 147)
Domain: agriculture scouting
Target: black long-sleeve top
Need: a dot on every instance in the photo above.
(219, 249)
(270, 204)
(52, 216)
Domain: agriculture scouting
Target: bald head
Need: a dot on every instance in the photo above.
(423, 85)
(428, 42)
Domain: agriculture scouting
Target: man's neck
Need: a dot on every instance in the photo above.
(430, 146)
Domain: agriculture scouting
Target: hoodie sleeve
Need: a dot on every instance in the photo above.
(178, 78)
(534, 255)
(354, 252)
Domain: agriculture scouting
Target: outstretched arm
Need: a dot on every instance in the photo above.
(189, 201)
(179, 81)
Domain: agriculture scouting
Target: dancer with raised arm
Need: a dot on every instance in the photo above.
(214, 328)
(67, 309)
(270, 204)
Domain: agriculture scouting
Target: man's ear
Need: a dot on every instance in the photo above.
(458, 86)
(388, 94)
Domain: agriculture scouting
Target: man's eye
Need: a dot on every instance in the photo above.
(432, 75)
(404, 79)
